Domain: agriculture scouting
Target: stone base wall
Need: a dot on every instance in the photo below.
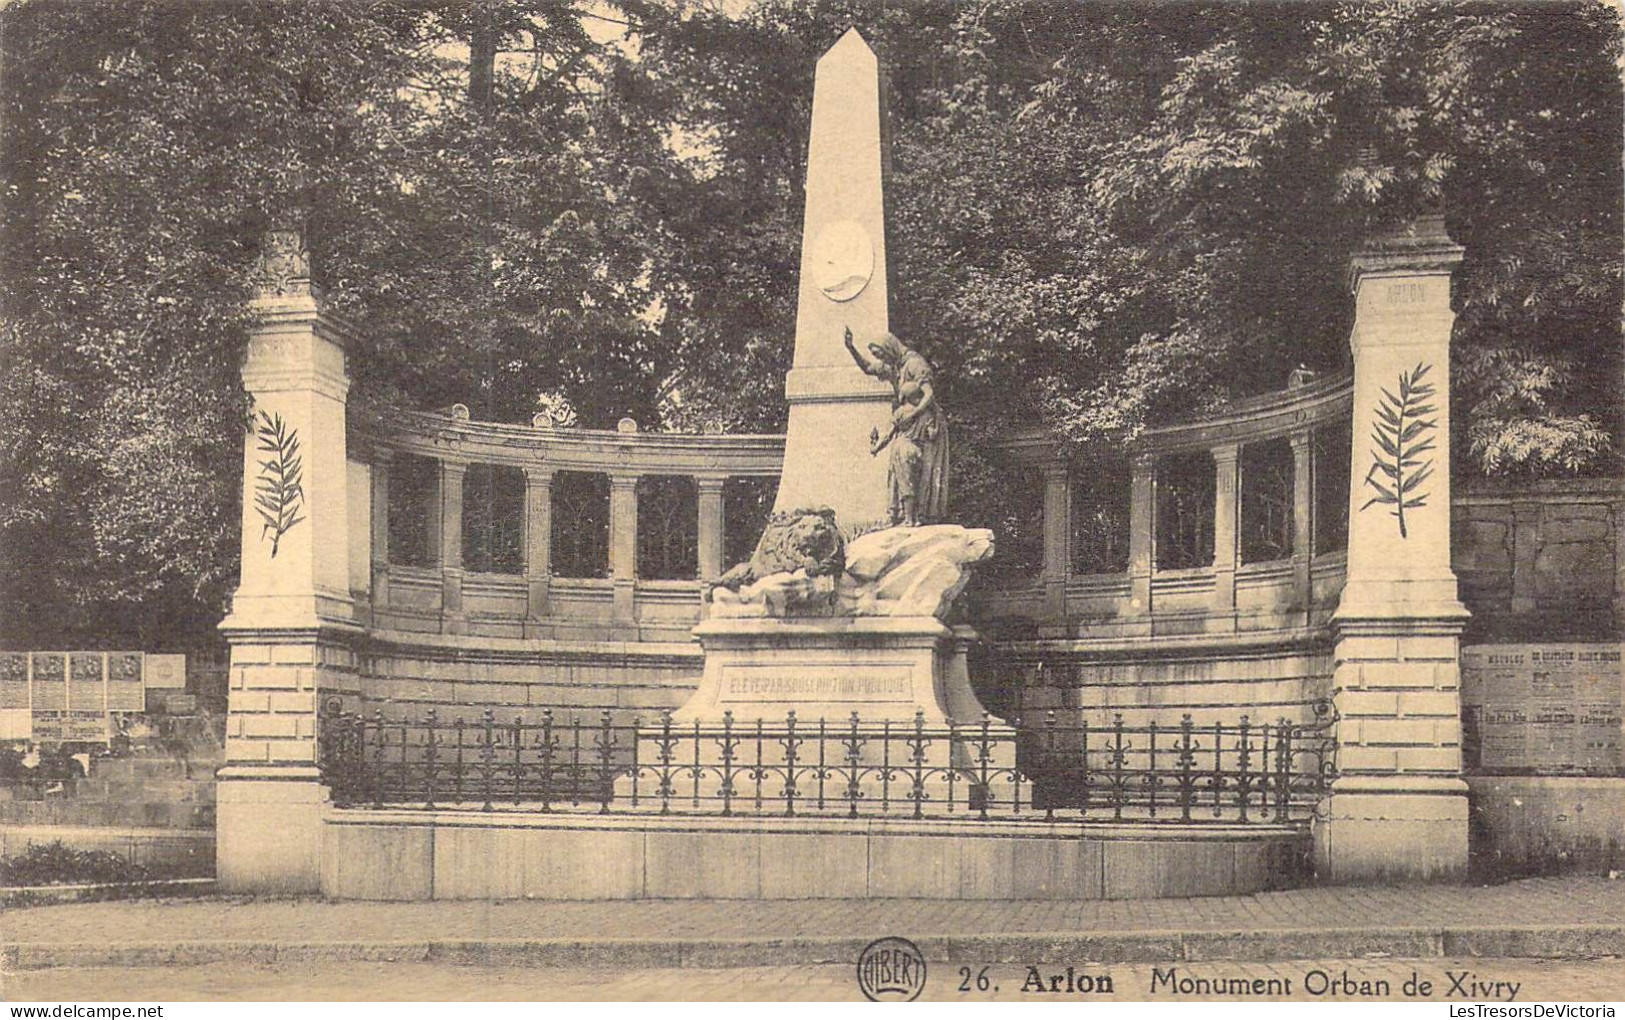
(407, 674)
(1161, 682)
(420, 855)
(1542, 825)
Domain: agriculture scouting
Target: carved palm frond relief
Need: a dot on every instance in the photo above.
(1400, 431)
(279, 493)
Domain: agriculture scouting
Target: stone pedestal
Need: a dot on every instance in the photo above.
(883, 668)
(269, 797)
(899, 676)
(1398, 809)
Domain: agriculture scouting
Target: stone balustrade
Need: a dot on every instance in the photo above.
(572, 561)
(1233, 522)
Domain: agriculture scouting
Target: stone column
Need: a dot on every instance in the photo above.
(623, 545)
(1142, 515)
(291, 627)
(710, 526)
(1398, 809)
(452, 618)
(380, 529)
(1303, 540)
(1226, 549)
(538, 540)
(1057, 537)
(431, 523)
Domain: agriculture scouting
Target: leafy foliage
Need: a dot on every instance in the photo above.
(279, 491)
(481, 246)
(1105, 216)
(1102, 216)
(1400, 433)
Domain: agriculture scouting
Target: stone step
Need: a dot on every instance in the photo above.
(136, 790)
(143, 768)
(108, 813)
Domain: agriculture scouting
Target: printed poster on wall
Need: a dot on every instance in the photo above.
(1543, 708)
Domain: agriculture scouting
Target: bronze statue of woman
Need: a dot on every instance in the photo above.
(917, 474)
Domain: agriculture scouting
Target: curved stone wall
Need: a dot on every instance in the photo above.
(1214, 641)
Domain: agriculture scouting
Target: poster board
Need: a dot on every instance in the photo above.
(73, 696)
(1543, 709)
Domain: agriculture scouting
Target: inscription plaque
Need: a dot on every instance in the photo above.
(1543, 708)
(804, 682)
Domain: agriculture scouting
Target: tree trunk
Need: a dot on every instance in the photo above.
(482, 58)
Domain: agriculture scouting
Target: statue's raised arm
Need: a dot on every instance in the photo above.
(875, 368)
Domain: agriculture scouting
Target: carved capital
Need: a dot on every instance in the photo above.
(1419, 248)
(283, 266)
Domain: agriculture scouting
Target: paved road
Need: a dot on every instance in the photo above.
(1537, 980)
(1532, 902)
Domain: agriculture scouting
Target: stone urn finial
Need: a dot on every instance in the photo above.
(283, 266)
(553, 411)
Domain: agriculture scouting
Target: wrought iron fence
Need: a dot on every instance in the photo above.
(1241, 772)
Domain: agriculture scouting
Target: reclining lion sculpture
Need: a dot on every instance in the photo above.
(802, 567)
(795, 565)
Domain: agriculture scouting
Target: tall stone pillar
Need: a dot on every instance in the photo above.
(538, 540)
(1057, 537)
(1142, 515)
(710, 525)
(1226, 512)
(833, 405)
(1303, 539)
(431, 521)
(291, 627)
(1398, 809)
(623, 546)
(453, 620)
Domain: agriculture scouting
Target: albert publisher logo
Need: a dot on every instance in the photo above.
(891, 970)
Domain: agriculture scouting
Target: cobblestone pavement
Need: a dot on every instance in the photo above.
(1531, 903)
(1328, 980)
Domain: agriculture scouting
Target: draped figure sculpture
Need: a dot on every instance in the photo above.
(917, 473)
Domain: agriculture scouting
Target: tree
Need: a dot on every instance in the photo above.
(1108, 216)
(1101, 216)
(149, 144)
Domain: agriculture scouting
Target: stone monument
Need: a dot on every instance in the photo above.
(292, 625)
(819, 623)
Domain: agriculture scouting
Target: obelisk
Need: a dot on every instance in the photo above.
(833, 405)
